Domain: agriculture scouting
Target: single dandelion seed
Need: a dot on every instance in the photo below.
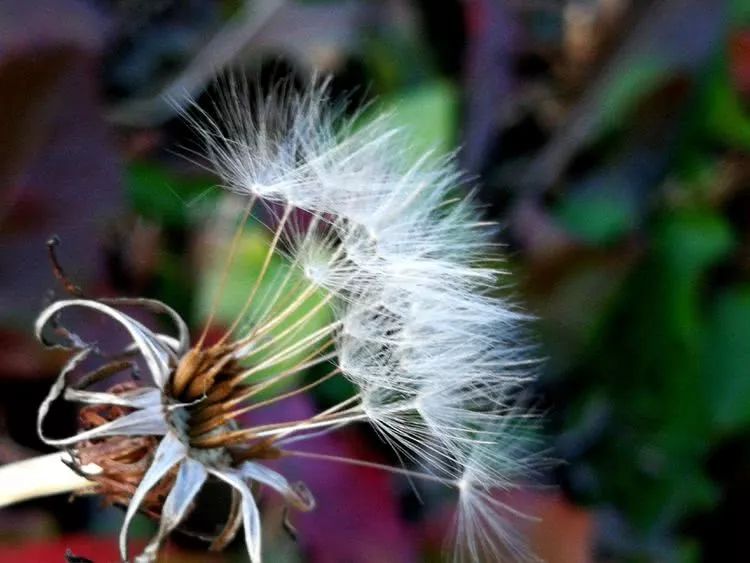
(398, 258)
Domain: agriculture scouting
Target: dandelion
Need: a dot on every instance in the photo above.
(401, 260)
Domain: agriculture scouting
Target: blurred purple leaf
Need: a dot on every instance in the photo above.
(59, 173)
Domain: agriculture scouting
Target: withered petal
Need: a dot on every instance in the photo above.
(144, 422)
(140, 398)
(148, 421)
(276, 481)
(190, 478)
(155, 353)
(170, 452)
(181, 344)
(250, 513)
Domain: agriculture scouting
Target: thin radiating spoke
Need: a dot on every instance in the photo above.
(372, 465)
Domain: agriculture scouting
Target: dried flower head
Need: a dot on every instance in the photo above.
(397, 254)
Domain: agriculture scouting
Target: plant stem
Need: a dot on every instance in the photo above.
(40, 476)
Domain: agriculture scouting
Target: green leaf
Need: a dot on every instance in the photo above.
(690, 241)
(727, 121)
(625, 90)
(686, 246)
(163, 197)
(597, 218)
(727, 360)
(740, 11)
(427, 114)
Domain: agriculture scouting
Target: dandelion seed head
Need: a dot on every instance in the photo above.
(394, 252)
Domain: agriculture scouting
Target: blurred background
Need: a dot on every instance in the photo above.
(610, 138)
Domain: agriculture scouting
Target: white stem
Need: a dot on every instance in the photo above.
(309, 425)
(40, 476)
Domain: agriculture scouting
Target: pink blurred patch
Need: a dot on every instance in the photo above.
(564, 532)
(739, 60)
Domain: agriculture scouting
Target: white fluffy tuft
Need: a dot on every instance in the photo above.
(434, 353)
